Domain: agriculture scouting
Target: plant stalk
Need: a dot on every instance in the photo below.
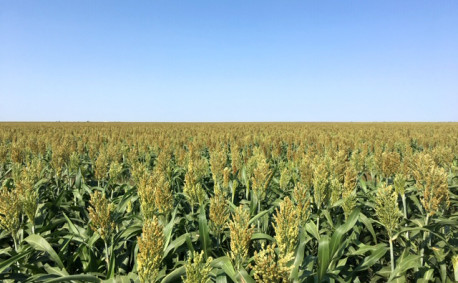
(107, 258)
(425, 235)
(15, 241)
(391, 255)
(404, 206)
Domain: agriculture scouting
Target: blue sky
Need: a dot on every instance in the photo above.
(228, 60)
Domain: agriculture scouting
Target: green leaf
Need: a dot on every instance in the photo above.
(39, 243)
(405, 263)
(176, 243)
(225, 264)
(261, 236)
(68, 278)
(111, 264)
(71, 226)
(363, 248)
(243, 276)
(129, 278)
(323, 257)
(79, 179)
(311, 228)
(6, 263)
(174, 276)
(54, 270)
(327, 248)
(259, 215)
(204, 236)
(368, 223)
(298, 258)
(327, 214)
(377, 252)
(337, 236)
(168, 229)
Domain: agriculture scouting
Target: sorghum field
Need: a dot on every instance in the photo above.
(229, 202)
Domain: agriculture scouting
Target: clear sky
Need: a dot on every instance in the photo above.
(228, 60)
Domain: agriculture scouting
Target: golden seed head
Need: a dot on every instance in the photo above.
(320, 184)
(306, 172)
(138, 171)
(270, 267)
(240, 235)
(301, 196)
(197, 170)
(218, 159)
(74, 163)
(150, 250)
(391, 162)
(420, 167)
(100, 215)
(101, 166)
(336, 190)
(435, 190)
(443, 156)
(339, 164)
(285, 177)
(226, 177)
(261, 172)
(386, 208)
(60, 155)
(236, 160)
(350, 179)
(27, 195)
(455, 266)
(155, 195)
(115, 171)
(17, 153)
(10, 210)
(197, 269)
(219, 211)
(349, 191)
(400, 183)
(357, 161)
(286, 226)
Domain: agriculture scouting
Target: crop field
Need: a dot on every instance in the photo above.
(228, 202)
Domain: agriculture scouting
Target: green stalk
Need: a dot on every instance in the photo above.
(318, 221)
(107, 258)
(14, 240)
(404, 206)
(391, 255)
(425, 235)
(259, 210)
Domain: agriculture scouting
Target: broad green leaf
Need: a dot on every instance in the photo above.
(261, 236)
(70, 278)
(243, 276)
(405, 263)
(174, 276)
(6, 263)
(259, 215)
(204, 236)
(39, 243)
(323, 257)
(311, 228)
(225, 264)
(376, 253)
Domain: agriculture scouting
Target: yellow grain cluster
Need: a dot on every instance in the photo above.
(150, 250)
(240, 235)
(100, 214)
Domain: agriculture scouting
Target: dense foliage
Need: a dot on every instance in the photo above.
(233, 202)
